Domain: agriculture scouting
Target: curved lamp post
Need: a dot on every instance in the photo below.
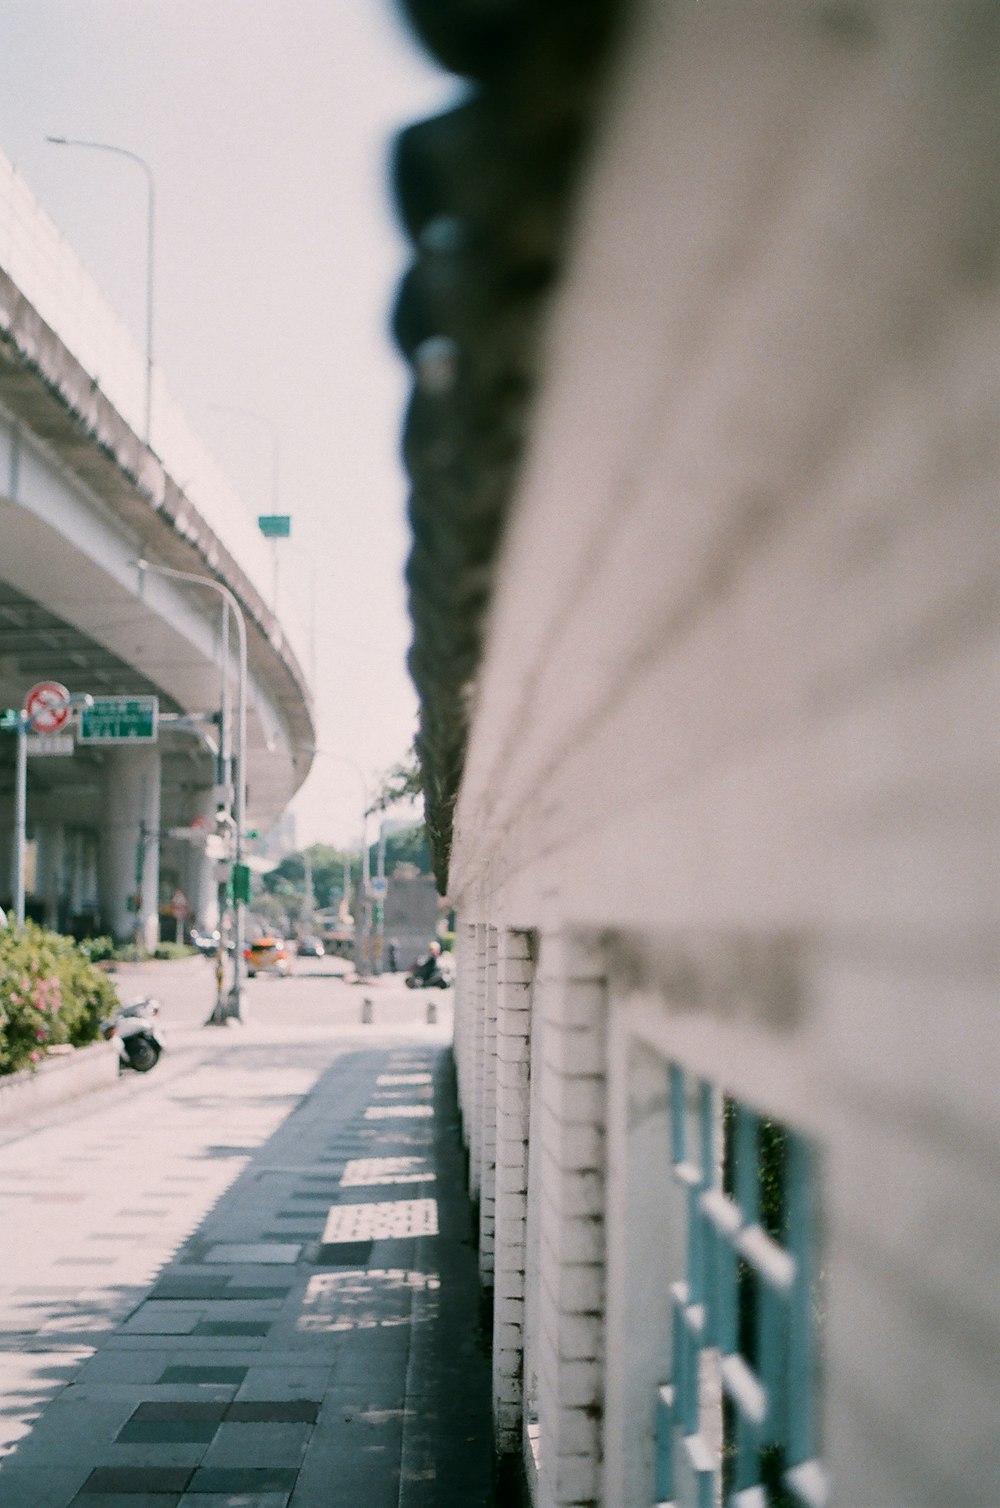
(272, 430)
(106, 146)
(231, 1010)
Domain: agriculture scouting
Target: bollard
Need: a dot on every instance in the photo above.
(367, 1011)
(432, 1012)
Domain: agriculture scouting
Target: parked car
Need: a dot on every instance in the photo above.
(268, 955)
(310, 947)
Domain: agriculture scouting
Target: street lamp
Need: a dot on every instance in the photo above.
(233, 1009)
(104, 146)
(25, 722)
(272, 429)
(277, 525)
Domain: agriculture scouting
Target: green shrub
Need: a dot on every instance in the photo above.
(50, 995)
(97, 949)
(166, 950)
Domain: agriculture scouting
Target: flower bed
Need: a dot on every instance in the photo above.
(51, 996)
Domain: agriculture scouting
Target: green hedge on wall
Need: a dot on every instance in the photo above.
(50, 994)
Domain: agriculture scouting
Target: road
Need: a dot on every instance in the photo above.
(316, 994)
(241, 1236)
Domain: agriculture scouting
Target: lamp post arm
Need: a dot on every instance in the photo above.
(106, 146)
(239, 814)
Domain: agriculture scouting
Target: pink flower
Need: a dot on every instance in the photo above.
(36, 1057)
(41, 1033)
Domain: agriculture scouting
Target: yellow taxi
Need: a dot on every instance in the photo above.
(268, 955)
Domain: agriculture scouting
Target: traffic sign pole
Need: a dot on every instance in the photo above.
(47, 704)
(20, 814)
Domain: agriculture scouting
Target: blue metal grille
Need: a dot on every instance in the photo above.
(746, 1305)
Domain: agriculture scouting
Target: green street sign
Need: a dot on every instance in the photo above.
(275, 525)
(241, 882)
(120, 719)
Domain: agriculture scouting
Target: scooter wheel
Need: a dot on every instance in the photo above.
(142, 1054)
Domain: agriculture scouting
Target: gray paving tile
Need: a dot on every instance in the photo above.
(251, 1291)
(364, 1467)
(209, 1286)
(39, 1486)
(162, 1319)
(297, 1380)
(231, 1327)
(126, 1500)
(234, 1500)
(189, 1408)
(167, 1432)
(137, 1479)
(265, 1253)
(120, 1341)
(343, 1254)
(258, 1445)
(245, 1479)
(272, 1411)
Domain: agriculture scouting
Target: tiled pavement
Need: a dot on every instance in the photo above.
(304, 1335)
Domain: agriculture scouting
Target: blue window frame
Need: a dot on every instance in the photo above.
(747, 1301)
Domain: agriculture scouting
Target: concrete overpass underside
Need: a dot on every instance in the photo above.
(82, 498)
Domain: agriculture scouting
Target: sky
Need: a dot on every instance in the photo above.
(267, 125)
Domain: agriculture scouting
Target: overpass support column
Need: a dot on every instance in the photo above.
(50, 882)
(130, 845)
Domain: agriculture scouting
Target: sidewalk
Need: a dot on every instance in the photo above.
(314, 1339)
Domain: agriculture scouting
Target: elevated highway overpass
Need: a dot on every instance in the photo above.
(83, 496)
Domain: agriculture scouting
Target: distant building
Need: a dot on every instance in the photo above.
(412, 913)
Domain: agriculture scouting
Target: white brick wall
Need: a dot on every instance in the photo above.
(477, 1058)
(513, 1039)
(465, 1014)
(738, 717)
(570, 996)
(488, 1111)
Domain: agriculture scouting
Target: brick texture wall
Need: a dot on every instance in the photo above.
(738, 712)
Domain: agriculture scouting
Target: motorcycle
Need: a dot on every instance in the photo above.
(438, 980)
(137, 1033)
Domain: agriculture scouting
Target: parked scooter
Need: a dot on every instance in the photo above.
(137, 1033)
(429, 976)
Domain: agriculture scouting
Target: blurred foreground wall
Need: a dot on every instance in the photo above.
(725, 854)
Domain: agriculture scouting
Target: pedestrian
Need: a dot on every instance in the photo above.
(393, 955)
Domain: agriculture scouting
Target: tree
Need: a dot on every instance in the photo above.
(327, 874)
(403, 782)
